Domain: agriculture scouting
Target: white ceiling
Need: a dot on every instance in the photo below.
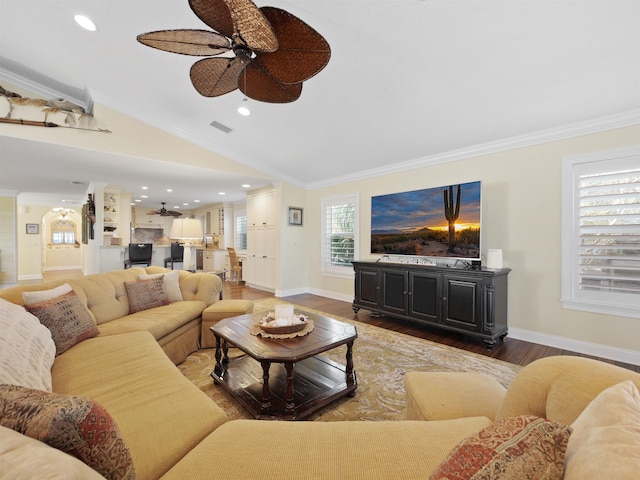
(409, 81)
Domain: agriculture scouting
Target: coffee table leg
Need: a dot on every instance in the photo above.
(349, 368)
(290, 405)
(218, 368)
(265, 408)
(225, 351)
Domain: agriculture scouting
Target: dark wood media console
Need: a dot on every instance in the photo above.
(464, 300)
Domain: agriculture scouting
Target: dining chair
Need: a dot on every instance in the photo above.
(177, 255)
(236, 267)
(139, 254)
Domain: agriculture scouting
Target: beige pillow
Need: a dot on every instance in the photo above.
(25, 457)
(606, 437)
(171, 283)
(26, 348)
(42, 295)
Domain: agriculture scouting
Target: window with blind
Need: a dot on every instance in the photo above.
(339, 234)
(601, 232)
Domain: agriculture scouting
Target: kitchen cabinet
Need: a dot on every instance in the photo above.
(259, 268)
(463, 300)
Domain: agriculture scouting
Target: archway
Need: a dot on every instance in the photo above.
(61, 240)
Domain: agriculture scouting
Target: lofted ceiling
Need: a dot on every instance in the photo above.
(409, 82)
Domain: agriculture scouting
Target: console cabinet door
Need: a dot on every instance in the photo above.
(394, 291)
(425, 292)
(368, 287)
(462, 303)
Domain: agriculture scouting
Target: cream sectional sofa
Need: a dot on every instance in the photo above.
(128, 368)
(173, 431)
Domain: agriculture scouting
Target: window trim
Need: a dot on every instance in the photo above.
(345, 271)
(571, 295)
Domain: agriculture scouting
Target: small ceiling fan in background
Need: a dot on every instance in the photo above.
(163, 212)
(274, 51)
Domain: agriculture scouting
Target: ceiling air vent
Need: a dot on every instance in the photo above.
(221, 127)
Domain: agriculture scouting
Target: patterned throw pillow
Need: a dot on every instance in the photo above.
(144, 294)
(77, 426)
(512, 448)
(68, 319)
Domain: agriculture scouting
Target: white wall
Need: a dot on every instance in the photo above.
(522, 216)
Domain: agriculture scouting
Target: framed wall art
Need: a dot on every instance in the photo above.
(295, 216)
(32, 229)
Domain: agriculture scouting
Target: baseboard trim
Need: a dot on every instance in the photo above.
(29, 277)
(588, 348)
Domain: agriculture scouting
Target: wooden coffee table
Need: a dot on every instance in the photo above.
(284, 378)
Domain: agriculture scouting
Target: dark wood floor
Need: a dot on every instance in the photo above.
(512, 350)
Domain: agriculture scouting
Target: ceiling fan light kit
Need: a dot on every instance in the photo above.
(274, 51)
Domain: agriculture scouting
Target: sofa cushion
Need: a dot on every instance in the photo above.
(511, 449)
(26, 348)
(161, 414)
(41, 295)
(145, 294)
(67, 318)
(75, 425)
(171, 282)
(159, 321)
(262, 450)
(25, 457)
(605, 442)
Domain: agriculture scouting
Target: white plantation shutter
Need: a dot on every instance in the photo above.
(610, 232)
(241, 232)
(339, 234)
(604, 253)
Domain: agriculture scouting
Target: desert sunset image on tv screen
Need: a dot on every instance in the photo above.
(434, 222)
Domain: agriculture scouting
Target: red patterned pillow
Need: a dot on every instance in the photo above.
(144, 294)
(76, 425)
(512, 448)
(68, 319)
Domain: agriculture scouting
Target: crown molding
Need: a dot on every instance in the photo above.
(600, 124)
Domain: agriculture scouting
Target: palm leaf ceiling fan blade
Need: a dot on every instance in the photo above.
(302, 51)
(213, 77)
(186, 42)
(239, 19)
(274, 50)
(257, 83)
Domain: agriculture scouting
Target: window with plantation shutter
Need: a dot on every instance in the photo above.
(601, 232)
(339, 234)
(241, 232)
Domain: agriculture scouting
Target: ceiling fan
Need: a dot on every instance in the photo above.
(163, 212)
(274, 51)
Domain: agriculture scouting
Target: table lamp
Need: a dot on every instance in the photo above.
(186, 231)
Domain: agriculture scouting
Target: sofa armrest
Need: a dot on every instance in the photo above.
(205, 287)
(450, 395)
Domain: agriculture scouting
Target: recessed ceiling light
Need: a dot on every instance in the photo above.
(221, 193)
(85, 22)
(169, 190)
(176, 206)
(185, 204)
(243, 109)
(196, 201)
(137, 200)
(246, 185)
(145, 188)
(144, 196)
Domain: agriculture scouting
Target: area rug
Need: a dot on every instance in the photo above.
(381, 359)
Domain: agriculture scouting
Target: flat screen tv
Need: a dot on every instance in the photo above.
(434, 222)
